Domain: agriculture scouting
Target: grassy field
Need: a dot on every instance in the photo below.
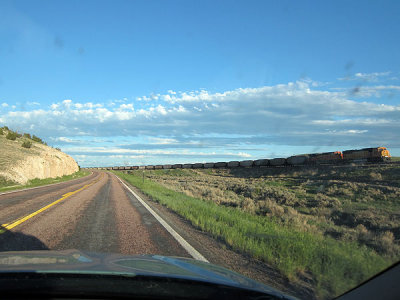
(10, 186)
(337, 225)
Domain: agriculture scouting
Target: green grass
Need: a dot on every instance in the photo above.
(174, 172)
(396, 158)
(335, 266)
(9, 186)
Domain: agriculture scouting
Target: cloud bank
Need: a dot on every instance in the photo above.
(217, 125)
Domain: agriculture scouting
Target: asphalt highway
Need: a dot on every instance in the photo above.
(96, 213)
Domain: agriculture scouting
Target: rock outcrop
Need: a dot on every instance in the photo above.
(44, 162)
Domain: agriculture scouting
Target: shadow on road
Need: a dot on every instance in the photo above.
(17, 241)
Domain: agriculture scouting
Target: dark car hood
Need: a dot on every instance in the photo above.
(75, 261)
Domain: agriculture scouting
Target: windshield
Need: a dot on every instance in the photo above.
(260, 136)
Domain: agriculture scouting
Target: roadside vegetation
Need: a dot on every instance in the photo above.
(331, 226)
(25, 138)
(6, 185)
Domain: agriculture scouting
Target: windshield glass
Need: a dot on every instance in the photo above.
(259, 136)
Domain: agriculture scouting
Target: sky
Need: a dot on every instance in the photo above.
(157, 82)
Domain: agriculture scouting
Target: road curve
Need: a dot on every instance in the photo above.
(95, 213)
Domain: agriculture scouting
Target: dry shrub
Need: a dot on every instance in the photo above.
(293, 218)
(338, 191)
(322, 200)
(363, 235)
(249, 206)
(386, 243)
(269, 207)
(375, 176)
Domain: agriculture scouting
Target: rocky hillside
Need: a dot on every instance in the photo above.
(25, 157)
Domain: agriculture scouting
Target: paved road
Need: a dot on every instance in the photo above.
(96, 213)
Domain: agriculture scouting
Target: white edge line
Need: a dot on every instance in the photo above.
(41, 186)
(193, 252)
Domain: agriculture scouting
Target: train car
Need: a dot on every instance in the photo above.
(221, 164)
(326, 157)
(246, 163)
(277, 162)
(233, 164)
(177, 166)
(298, 160)
(209, 165)
(167, 167)
(378, 154)
(149, 167)
(158, 167)
(187, 166)
(134, 167)
(141, 167)
(261, 162)
(198, 166)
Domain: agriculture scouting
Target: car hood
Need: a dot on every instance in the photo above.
(75, 261)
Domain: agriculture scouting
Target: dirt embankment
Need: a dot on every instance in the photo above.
(42, 162)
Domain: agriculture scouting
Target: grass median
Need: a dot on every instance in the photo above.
(10, 186)
(334, 266)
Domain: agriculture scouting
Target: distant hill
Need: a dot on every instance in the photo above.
(24, 157)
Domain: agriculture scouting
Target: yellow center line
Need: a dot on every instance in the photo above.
(19, 221)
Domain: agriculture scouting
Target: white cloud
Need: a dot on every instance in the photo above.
(4, 104)
(65, 140)
(366, 77)
(162, 141)
(126, 106)
(295, 113)
(370, 91)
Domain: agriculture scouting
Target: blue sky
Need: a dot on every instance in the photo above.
(148, 82)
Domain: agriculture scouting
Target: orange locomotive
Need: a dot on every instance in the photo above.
(378, 154)
(327, 157)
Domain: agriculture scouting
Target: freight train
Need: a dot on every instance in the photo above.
(378, 154)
